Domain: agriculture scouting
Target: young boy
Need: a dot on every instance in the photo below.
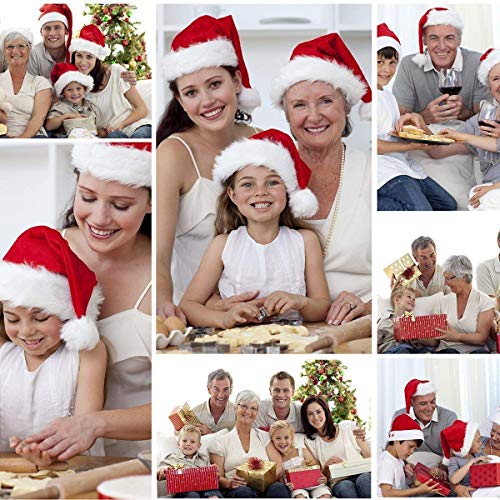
(405, 437)
(71, 86)
(402, 184)
(402, 301)
(188, 442)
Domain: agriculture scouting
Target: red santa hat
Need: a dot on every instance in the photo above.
(417, 387)
(435, 17)
(40, 270)
(57, 12)
(91, 40)
(387, 38)
(128, 163)
(275, 150)
(489, 59)
(64, 73)
(458, 437)
(325, 59)
(207, 43)
(405, 428)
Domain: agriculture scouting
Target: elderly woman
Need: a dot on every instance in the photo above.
(470, 312)
(481, 139)
(238, 445)
(28, 95)
(317, 90)
(331, 443)
(491, 445)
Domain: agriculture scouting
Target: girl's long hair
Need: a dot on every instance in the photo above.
(329, 427)
(175, 119)
(98, 72)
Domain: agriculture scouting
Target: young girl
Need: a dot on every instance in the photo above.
(331, 443)
(282, 441)
(53, 363)
(260, 244)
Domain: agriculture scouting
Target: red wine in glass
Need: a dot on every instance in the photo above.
(484, 124)
(450, 90)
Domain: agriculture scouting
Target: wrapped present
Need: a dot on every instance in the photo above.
(411, 327)
(259, 474)
(423, 474)
(179, 479)
(351, 468)
(485, 475)
(303, 477)
(182, 416)
(404, 268)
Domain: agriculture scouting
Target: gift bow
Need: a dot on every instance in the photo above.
(409, 314)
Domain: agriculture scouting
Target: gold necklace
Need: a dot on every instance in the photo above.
(336, 201)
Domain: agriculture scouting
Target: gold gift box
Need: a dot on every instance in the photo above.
(258, 479)
(184, 415)
(405, 268)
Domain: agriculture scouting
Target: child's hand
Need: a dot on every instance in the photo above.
(322, 479)
(439, 474)
(478, 460)
(240, 313)
(160, 473)
(409, 470)
(282, 302)
(33, 453)
(429, 486)
(290, 487)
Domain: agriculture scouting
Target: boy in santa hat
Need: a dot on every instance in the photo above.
(416, 86)
(71, 86)
(405, 437)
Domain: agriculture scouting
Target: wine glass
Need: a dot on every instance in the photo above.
(487, 111)
(450, 82)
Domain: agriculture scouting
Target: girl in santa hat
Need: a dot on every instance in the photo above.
(123, 109)
(49, 301)
(261, 244)
(211, 106)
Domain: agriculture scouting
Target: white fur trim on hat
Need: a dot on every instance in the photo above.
(267, 153)
(80, 334)
(365, 111)
(73, 76)
(248, 100)
(485, 67)
(82, 45)
(314, 69)
(444, 17)
(26, 33)
(470, 432)
(218, 52)
(406, 435)
(495, 418)
(127, 165)
(388, 41)
(53, 16)
(419, 59)
(424, 389)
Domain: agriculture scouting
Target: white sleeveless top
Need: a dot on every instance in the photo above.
(31, 400)
(295, 461)
(248, 265)
(195, 228)
(127, 336)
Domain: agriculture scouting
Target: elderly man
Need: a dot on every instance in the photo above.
(280, 406)
(431, 281)
(488, 274)
(218, 412)
(416, 85)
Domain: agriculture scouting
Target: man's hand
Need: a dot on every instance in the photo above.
(443, 108)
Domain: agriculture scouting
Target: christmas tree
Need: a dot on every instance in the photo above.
(127, 44)
(326, 378)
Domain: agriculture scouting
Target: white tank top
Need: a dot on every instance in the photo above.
(295, 461)
(248, 265)
(31, 400)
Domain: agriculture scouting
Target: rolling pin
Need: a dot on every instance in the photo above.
(359, 328)
(69, 486)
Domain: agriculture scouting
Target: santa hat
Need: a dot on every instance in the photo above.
(57, 12)
(405, 428)
(489, 59)
(387, 38)
(458, 438)
(275, 150)
(64, 73)
(128, 163)
(26, 33)
(435, 17)
(417, 387)
(325, 59)
(207, 43)
(91, 40)
(40, 270)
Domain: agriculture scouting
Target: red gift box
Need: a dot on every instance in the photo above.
(303, 477)
(423, 474)
(182, 416)
(485, 475)
(419, 327)
(191, 479)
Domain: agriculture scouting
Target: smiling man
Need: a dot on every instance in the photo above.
(416, 85)
(280, 406)
(218, 412)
